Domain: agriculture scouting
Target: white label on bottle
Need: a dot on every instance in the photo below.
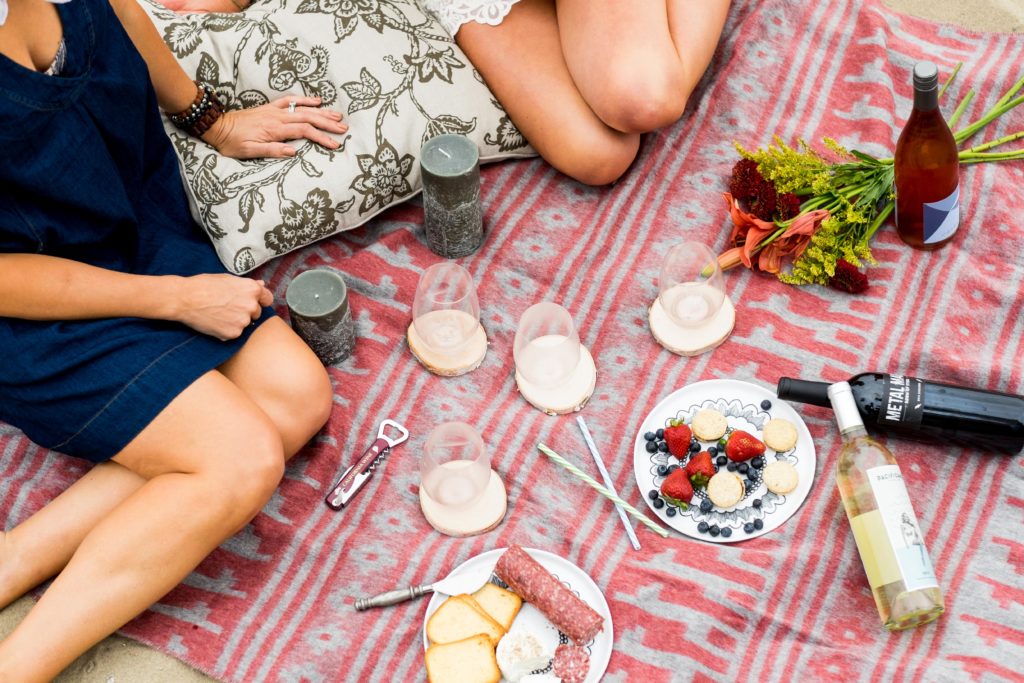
(942, 218)
(901, 527)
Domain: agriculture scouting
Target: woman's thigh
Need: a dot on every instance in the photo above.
(282, 376)
(521, 60)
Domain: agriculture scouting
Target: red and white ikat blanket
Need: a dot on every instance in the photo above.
(275, 602)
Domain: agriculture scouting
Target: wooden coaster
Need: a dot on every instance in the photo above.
(567, 398)
(691, 341)
(480, 517)
(469, 359)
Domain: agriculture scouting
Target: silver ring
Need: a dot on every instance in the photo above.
(291, 107)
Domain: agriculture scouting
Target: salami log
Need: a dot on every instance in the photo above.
(538, 586)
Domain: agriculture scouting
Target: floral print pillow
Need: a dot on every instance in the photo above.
(388, 65)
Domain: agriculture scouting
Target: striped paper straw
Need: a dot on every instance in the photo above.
(636, 514)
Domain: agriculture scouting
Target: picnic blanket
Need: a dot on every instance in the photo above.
(275, 602)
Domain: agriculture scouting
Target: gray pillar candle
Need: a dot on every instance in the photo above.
(451, 195)
(318, 305)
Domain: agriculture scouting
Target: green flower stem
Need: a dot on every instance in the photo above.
(879, 219)
(956, 70)
(961, 108)
(995, 143)
(991, 156)
(1011, 93)
(988, 118)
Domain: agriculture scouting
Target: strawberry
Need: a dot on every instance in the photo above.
(678, 437)
(743, 446)
(700, 469)
(677, 489)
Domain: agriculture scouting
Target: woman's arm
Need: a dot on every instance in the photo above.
(39, 287)
(256, 132)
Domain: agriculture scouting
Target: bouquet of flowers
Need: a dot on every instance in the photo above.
(795, 204)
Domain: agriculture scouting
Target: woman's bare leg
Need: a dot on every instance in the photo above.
(521, 60)
(291, 388)
(636, 63)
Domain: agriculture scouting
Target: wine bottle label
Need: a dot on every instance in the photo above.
(902, 402)
(942, 218)
(889, 540)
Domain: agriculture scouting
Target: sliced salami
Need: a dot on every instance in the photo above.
(538, 586)
(571, 663)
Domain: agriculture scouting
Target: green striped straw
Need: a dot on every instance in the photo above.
(636, 514)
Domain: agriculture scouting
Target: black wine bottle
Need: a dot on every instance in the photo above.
(922, 409)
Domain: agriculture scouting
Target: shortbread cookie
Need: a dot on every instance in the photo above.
(779, 435)
(780, 477)
(709, 425)
(725, 489)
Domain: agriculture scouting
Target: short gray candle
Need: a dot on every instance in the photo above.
(451, 195)
(318, 304)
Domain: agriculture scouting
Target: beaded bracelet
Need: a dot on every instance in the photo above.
(198, 117)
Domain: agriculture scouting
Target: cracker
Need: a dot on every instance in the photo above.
(725, 489)
(780, 477)
(709, 425)
(779, 435)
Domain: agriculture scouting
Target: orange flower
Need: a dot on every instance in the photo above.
(748, 231)
(792, 242)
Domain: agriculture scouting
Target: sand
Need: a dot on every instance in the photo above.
(120, 660)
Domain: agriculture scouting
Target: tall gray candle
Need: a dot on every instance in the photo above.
(451, 195)
(318, 305)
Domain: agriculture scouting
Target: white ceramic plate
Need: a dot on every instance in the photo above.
(530, 618)
(740, 402)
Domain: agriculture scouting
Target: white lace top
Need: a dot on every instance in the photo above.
(454, 13)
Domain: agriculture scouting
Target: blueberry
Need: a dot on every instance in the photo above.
(726, 532)
(721, 460)
(651, 447)
(757, 463)
(694, 446)
(671, 468)
(714, 530)
(662, 470)
(748, 527)
(660, 433)
(758, 523)
(752, 477)
(756, 503)
(731, 467)
(713, 451)
(653, 494)
(649, 436)
(658, 503)
(671, 511)
(766, 405)
(663, 446)
(743, 467)
(705, 505)
(703, 527)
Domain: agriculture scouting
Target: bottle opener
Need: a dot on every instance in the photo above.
(356, 476)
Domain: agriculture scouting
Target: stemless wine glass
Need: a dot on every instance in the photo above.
(547, 346)
(445, 310)
(690, 285)
(455, 467)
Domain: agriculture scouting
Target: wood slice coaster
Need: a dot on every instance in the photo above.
(469, 358)
(481, 516)
(567, 398)
(691, 341)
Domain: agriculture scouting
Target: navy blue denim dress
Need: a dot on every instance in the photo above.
(87, 173)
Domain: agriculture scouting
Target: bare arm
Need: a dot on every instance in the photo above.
(40, 287)
(257, 132)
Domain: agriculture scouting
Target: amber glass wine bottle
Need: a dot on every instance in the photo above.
(927, 167)
(885, 528)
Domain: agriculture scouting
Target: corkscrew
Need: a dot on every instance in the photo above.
(354, 478)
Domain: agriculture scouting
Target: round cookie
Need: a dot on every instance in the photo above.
(779, 435)
(709, 425)
(780, 477)
(725, 489)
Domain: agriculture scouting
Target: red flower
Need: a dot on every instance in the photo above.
(749, 232)
(848, 278)
(789, 206)
(792, 242)
(745, 178)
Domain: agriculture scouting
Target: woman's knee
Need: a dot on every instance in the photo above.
(247, 474)
(305, 399)
(596, 159)
(638, 97)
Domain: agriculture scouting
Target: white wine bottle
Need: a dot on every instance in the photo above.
(889, 541)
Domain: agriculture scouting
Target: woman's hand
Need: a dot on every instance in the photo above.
(261, 131)
(220, 305)
(189, 6)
